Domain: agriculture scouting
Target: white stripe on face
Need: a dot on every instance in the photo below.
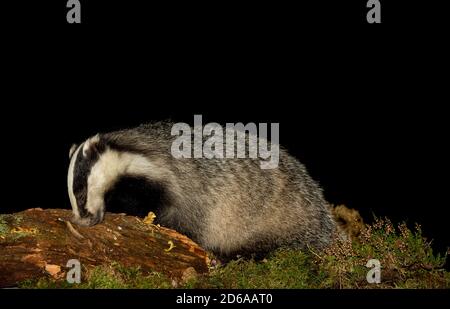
(73, 200)
(104, 173)
(110, 166)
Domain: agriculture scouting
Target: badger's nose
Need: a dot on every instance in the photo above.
(90, 220)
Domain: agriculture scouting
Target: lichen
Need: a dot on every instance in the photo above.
(9, 227)
(4, 228)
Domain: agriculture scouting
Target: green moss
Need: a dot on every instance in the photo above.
(10, 227)
(45, 283)
(113, 276)
(7, 222)
(284, 269)
(4, 227)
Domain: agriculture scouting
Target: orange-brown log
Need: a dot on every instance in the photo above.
(36, 243)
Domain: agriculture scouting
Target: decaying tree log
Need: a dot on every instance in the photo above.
(36, 243)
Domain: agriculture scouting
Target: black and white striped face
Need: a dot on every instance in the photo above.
(103, 175)
(87, 208)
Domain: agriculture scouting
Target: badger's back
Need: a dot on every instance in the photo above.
(229, 206)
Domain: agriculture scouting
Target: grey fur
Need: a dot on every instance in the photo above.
(231, 206)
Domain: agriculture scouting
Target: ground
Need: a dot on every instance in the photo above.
(406, 257)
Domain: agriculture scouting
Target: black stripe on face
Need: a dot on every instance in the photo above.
(82, 169)
(136, 195)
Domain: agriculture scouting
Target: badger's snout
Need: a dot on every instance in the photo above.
(89, 220)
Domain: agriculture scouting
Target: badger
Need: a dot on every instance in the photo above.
(228, 206)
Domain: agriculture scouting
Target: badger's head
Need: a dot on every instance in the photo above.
(84, 182)
(102, 175)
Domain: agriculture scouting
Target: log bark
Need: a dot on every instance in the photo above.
(37, 242)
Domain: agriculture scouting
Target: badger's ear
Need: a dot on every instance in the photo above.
(72, 150)
(93, 146)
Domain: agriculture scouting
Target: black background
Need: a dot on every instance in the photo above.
(362, 106)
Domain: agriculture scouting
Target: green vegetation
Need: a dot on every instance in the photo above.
(6, 232)
(406, 258)
(113, 276)
(4, 228)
